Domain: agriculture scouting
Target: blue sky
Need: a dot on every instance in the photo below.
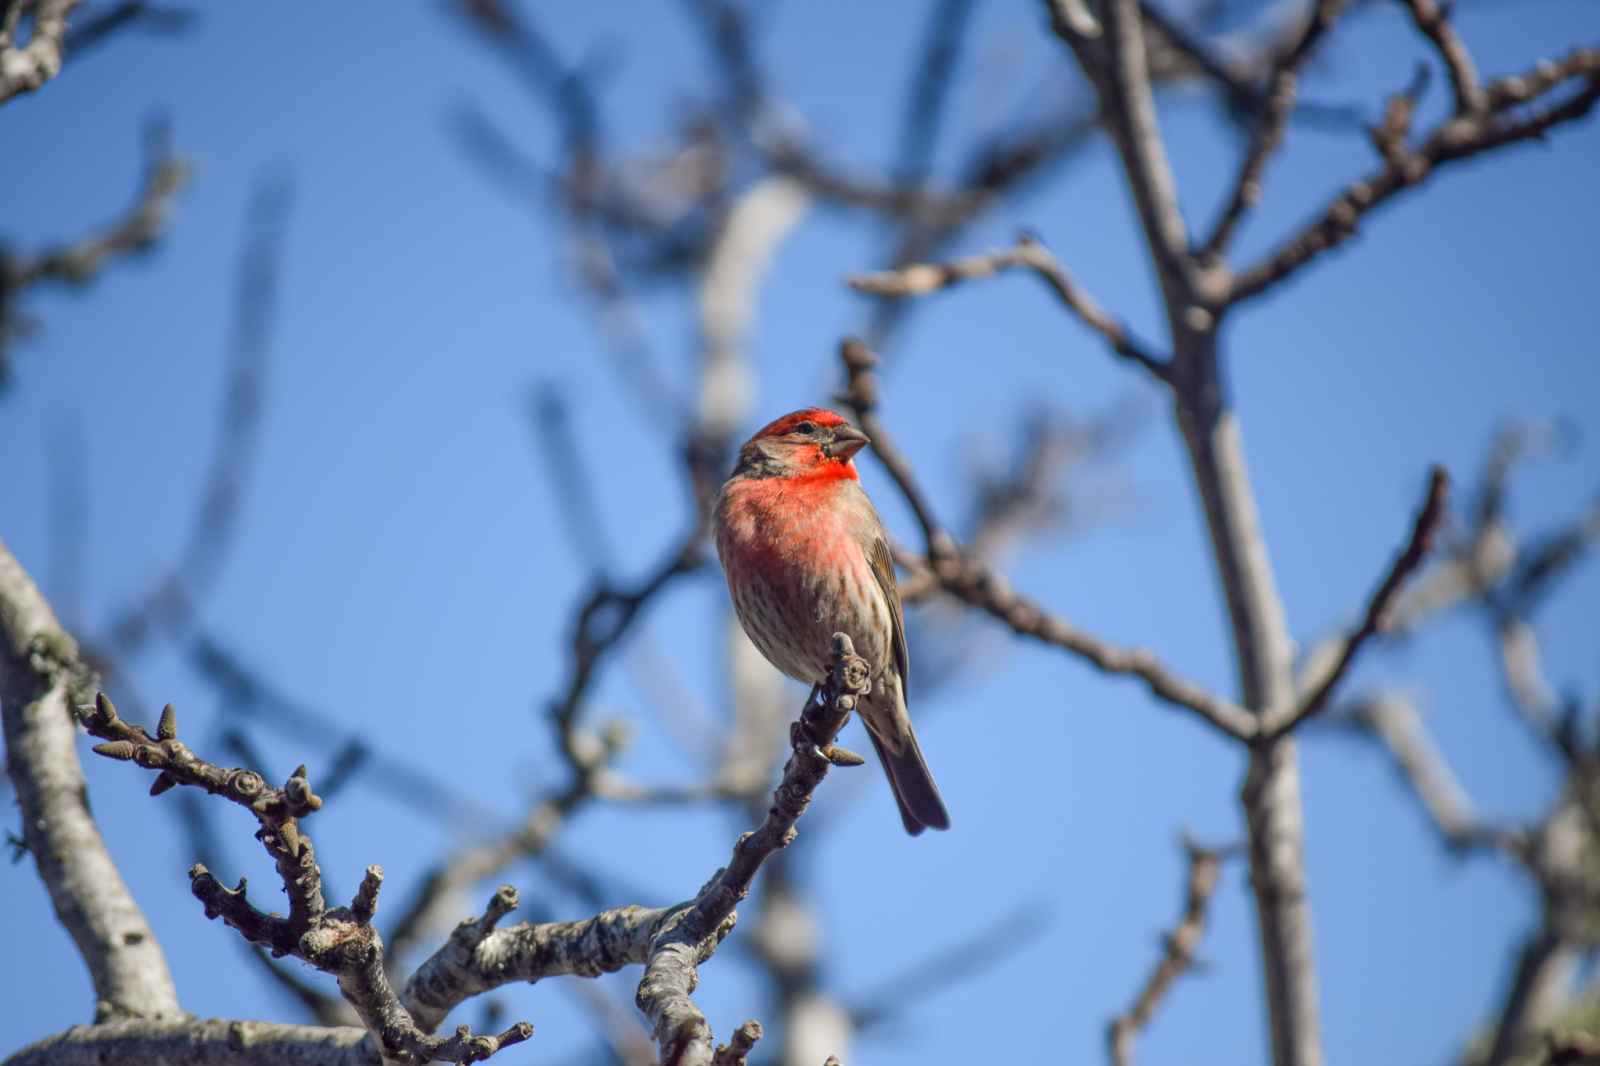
(399, 563)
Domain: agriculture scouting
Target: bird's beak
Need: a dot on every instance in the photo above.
(847, 440)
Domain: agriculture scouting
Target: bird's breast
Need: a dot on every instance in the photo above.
(797, 573)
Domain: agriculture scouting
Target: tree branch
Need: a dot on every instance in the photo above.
(1028, 253)
(478, 957)
(1433, 20)
(79, 262)
(606, 616)
(1314, 695)
(1282, 89)
(24, 69)
(693, 931)
(1395, 722)
(341, 940)
(1178, 956)
(1454, 139)
(670, 942)
(1128, 107)
(41, 678)
(170, 600)
(212, 1042)
(974, 583)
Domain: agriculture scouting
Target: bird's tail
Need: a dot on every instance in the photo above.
(912, 784)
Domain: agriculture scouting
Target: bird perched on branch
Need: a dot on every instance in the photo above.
(806, 557)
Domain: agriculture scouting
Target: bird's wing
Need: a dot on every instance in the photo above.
(883, 570)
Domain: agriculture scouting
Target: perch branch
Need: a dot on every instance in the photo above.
(669, 942)
(692, 932)
(212, 1042)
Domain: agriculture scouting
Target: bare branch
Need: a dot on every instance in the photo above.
(1395, 722)
(1453, 140)
(1178, 956)
(479, 957)
(211, 1042)
(248, 693)
(1522, 669)
(1545, 966)
(170, 600)
(974, 583)
(278, 810)
(339, 940)
(1434, 22)
(737, 1051)
(1314, 695)
(1119, 70)
(1028, 253)
(1553, 556)
(41, 679)
(693, 931)
(929, 93)
(753, 231)
(79, 262)
(1072, 18)
(1282, 87)
(25, 68)
(671, 942)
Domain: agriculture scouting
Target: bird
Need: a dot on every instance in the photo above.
(806, 556)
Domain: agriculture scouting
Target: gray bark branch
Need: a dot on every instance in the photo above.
(212, 1042)
(25, 68)
(40, 678)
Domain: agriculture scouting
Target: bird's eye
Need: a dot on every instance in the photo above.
(806, 428)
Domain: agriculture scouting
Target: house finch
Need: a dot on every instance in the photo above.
(806, 557)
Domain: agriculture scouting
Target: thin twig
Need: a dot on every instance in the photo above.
(1028, 253)
(76, 263)
(974, 583)
(1178, 956)
(170, 600)
(1451, 141)
(1282, 87)
(1314, 696)
(339, 940)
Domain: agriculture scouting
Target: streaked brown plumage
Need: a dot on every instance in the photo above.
(805, 556)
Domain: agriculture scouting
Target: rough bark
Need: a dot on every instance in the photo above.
(40, 676)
